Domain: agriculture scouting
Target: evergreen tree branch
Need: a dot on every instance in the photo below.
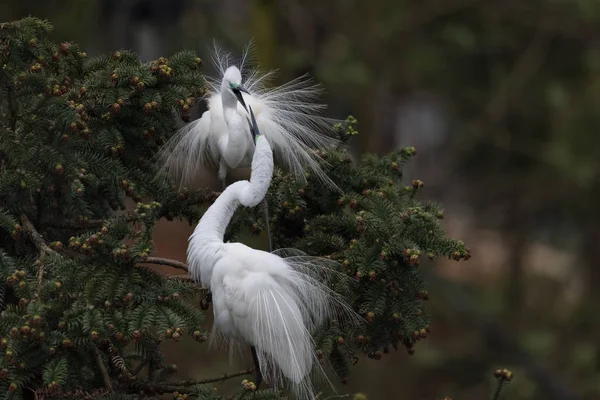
(167, 262)
(103, 369)
(41, 246)
(92, 223)
(183, 386)
(223, 377)
(36, 237)
(12, 108)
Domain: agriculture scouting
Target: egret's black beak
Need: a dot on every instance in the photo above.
(253, 126)
(238, 93)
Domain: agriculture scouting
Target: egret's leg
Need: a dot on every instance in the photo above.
(258, 375)
(266, 207)
(223, 173)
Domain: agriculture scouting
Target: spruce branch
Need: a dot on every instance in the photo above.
(36, 237)
(223, 377)
(93, 223)
(12, 108)
(168, 262)
(184, 386)
(41, 246)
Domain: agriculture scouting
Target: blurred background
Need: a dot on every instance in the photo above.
(501, 100)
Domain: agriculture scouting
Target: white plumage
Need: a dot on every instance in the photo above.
(287, 116)
(272, 301)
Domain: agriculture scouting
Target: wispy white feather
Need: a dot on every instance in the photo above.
(288, 115)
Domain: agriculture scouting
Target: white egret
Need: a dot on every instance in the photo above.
(287, 116)
(271, 302)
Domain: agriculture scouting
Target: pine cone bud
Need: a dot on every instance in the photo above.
(320, 354)
(414, 260)
(197, 335)
(64, 48)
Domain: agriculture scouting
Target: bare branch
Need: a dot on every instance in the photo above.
(216, 379)
(182, 386)
(165, 261)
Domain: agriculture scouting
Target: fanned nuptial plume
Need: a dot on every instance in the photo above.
(288, 116)
(287, 303)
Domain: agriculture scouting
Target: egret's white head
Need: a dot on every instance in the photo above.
(232, 83)
(232, 75)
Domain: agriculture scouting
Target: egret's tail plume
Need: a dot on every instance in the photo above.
(283, 343)
(287, 308)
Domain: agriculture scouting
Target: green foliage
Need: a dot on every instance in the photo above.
(76, 139)
(83, 317)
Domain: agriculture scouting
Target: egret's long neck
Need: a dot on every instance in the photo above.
(215, 220)
(239, 136)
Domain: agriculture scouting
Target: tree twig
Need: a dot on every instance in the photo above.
(103, 370)
(182, 386)
(223, 377)
(93, 223)
(166, 261)
(41, 246)
(36, 237)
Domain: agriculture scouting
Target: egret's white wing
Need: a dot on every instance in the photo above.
(192, 147)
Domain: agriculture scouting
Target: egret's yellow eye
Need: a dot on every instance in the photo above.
(233, 85)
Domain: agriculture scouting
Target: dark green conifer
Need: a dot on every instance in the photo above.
(82, 316)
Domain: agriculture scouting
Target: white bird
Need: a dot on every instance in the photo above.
(270, 302)
(287, 116)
